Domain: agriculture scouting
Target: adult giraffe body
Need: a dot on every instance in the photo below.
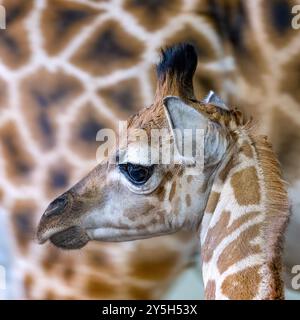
(238, 201)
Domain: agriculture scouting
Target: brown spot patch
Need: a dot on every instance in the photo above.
(68, 272)
(109, 49)
(140, 293)
(48, 95)
(200, 190)
(242, 285)
(189, 179)
(277, 21)
(232, 24)
(98, 259)
(160, 193)
(222, 229)
(176, 206)
(14, 46)
(50, 295)
(99, 288)
(131, 215)
(240, 248)
(210, 290)
(246, 149)
(50, 259)
(153, 267)
(144, 210)
(212, 202)
(158, 218)
(124, 98)
(153, 14)
(168, 176)
(290, 79)
(18, 162)
(62, 21)
(23, 223)
(28, 284)
(188, 200)
(3, 94)
(225, 171)
(58, 178)
(245, 186)
(172, 190)
(87, 123)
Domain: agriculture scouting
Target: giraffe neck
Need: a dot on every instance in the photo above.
(241, 232)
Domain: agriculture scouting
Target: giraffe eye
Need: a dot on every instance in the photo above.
(135, 173)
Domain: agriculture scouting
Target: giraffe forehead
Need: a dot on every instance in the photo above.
(136, 152)
(148, 148)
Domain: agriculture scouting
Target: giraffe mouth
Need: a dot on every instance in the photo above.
(72, 238)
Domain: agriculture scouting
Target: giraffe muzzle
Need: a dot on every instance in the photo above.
(53, 219)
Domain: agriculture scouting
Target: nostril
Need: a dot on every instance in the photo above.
(57, 206)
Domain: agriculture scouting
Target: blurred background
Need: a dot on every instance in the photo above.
(71, 67)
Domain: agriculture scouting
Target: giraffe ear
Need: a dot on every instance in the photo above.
(205, 133)
(184, 120)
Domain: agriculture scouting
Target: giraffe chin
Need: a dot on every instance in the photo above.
(70, 239)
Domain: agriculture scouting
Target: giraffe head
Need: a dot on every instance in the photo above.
(134, 197)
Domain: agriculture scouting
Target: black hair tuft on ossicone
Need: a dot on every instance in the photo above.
(179, 60)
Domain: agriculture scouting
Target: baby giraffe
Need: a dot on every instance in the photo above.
(237, 202)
